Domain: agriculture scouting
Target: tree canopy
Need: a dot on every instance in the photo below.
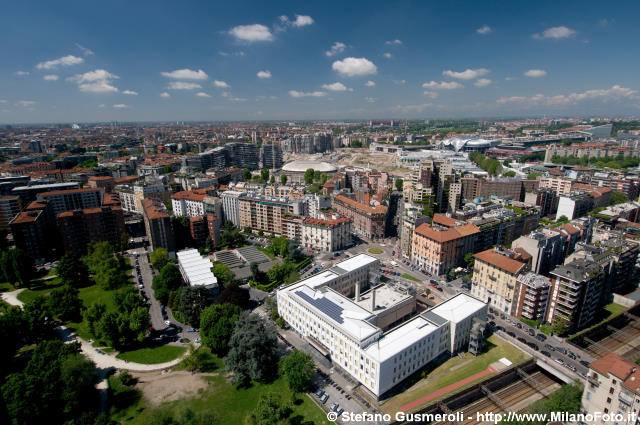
(16, 267)
(192, 300)
(73, 271)
(166, 281)
(217, 323)
(298, 369)
(159, 257)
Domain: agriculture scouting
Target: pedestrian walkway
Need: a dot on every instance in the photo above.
(447, 389)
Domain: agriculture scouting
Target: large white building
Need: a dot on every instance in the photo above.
(326, 235)
(196, 269)
(231, 206)
(187, 203)
(348, 330)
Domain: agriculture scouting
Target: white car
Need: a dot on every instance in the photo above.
(168, 323)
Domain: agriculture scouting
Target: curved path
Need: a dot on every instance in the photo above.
(102, 361)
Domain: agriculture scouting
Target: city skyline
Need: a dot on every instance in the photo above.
(198, 62)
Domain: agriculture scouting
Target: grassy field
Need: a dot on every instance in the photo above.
(231, 405)
(454, 370)
(43, 290)
(267, 252)
(614, 309)
(375, 250)
(153, 355)
(6, 287)
(410, 277)
(89, 296)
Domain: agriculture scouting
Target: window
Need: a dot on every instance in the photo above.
(611, 390)
(608, 400)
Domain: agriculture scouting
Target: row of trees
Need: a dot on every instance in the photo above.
(607, 161)
(16, 267)
(311, 175)
(490, 165)
(109, 269)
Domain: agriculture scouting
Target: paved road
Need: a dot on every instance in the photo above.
(557, 344)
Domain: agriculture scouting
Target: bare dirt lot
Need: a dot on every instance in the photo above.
(160, 387)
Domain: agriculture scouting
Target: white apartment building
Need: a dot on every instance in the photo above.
(315, 204)
(612, 387)
(318, 310)
(326, 235)
(187, 203)
(560, 185)
(131, 196)
(231, 206)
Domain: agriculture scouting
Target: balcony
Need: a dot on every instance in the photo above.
(625, 399)
(593, 380)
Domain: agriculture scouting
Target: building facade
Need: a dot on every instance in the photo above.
(367, 221)
(79, 228)
(326, 235)
(436, 249)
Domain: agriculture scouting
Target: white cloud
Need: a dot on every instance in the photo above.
(399, 82)
(337, 86)
(467, 74)
(3, 101)
(51, 77)
(615, 93)
(97, 81)
(264, 74)
(120, 106)
(85, 51)
(387, 55)
(302, 21)
(237, 99)
(295, 93)
(63, 61)
(354, 66)
(130, 92)
(251, 33)
(510, 78)
(370, 83)
(21, 73)
(370, 99)
(202, 94)
(535, 73)
(335, 49)
(482, 82)
(430, 94)
(485, 29)
(25, 103)
(604, 22)
(238, 53)
(102, 105)
(183, 85)
(186, 74)
(556, 33)
(412, 108)
(165, 94)
(442, 85)
(395, 42)
(221, 84)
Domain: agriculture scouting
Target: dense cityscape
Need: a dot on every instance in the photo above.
(426, 240)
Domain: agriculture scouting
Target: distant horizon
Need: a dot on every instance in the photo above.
(250, 61)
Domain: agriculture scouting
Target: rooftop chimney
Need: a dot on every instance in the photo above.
(373, 299)
(357, 291)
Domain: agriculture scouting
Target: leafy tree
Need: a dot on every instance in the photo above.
(159, 257)
(399, 184)
(65, 303)
(272, 180)
(264, 175)
(79, 378)
(167, 280)
(182, 416)
(192, 300)
(216, 326)
(323, 178)
(562, 219)
(253, 350)
(231, 238)
(298, 369)
(533, 176)
(509, 173)
(17, 267)
(469, 260)
(223, 273)
(246, 173)
(234, 294)
(97, 253)
(618, 197)
(271, 410)
(12, 329)
(279, 246)
(559, 326)
(283, 178)
(308, 176)
(72, 271)
(93, 315)
(38, 320)
(110, 275)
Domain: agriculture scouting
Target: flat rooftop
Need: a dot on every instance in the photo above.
(386, 297)
(196, 268)
(458, 308)
(344, 313)
(400, 338)
(356, 262)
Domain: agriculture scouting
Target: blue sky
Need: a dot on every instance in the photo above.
(73, 61)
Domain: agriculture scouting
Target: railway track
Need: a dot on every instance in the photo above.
(510, 396)
(616, 342)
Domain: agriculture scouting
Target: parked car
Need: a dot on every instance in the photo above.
(549, 347)
(560, 361)
(334, 407)
(541, 337)
(339, 411)
(531, 332)
(571, 356)
(320, 393)
(545, 353)
(324, 398)
(584, 363)
(191, 330)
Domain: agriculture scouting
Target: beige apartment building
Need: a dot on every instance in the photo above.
(495, 275)
(326, 235)
(436, 249)
(560, 185)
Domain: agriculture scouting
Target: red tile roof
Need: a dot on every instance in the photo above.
(444, 220)
(447, 235)
(381, 209)
(326, 223)
(615, 365)
(189, 195)
(491, 256)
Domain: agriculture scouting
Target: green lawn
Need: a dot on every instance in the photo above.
(614, 309)
(545, 329)
(6, 287)
(89, 296)
(153, 355)
(410, 277)
(231, 405)
(375, 250)
(443, 376)
(43, 290)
